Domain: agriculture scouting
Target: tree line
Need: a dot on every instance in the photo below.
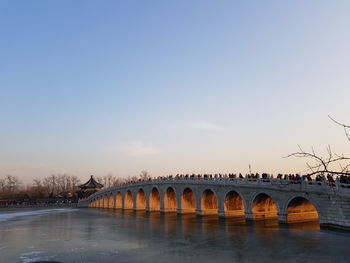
(55, 185)
(11, 187)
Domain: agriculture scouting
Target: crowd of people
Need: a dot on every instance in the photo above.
(294, 178)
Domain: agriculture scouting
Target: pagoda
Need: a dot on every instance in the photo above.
(90, 187)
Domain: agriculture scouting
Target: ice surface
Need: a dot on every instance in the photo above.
(110, 236)
(9, 216)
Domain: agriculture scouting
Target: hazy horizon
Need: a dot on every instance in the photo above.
(170, 87)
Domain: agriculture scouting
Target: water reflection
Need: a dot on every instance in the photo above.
(155, 223)
(236, 229)
(171, 221)
(313, 225)
(188, 224)
(209, 226)
(141, 222)
(267, 231)
(306, 234)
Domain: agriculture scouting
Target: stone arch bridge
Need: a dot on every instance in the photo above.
(289, 201)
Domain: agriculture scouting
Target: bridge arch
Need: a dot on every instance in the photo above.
(141, 200)
(128, 200)
(154, 199)
(105, 201)
(188, 201)
(111, 201)
(170, 201)
(100, 202)
(234, 204)
(209, 202)
(118, 200)
(264, 207)
(301, 209)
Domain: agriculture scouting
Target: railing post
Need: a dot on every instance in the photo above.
(337, 184)
(303, 185)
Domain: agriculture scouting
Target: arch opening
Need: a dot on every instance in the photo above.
(100, 202)
(170, 200)
(188, 201)
(209, 203)
(233, 204)
(154, 200)
(105, 201)
(111, 201)
(301, 210)
(264, 207)
(128, 200)
(141, 200)
(119, 200)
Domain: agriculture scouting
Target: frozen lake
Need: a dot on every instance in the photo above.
(89, 235)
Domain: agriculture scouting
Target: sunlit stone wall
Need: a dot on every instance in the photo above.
(154, 200)
(128, 201)
(170, 200)
(188, 201)
(209, 203)
(264, 207)
(119, 200)
(111, 201)
(141, 200)
(301, 210)
(234, 205)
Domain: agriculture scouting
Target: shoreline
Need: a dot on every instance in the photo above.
(71, 205)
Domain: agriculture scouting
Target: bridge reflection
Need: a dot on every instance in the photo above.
(210, 227)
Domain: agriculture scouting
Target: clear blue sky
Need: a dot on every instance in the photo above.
(97, 87)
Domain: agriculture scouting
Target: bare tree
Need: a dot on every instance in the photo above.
(55, 184)
(37, 182)
(117, 181)
(75, 181)
(332, 164)
(12, 183)
(2, 185)
(110, 180)
(144, 175)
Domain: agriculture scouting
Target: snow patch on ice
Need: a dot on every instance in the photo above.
(34, 256)
(31, 256)
(9, 216)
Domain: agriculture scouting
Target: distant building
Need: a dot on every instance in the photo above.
(90, 187)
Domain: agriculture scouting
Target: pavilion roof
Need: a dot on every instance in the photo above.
(92, 183)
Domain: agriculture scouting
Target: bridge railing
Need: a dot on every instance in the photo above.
(269, 182)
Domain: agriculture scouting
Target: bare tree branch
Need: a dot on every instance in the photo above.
(326, 166)
(345, 127)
